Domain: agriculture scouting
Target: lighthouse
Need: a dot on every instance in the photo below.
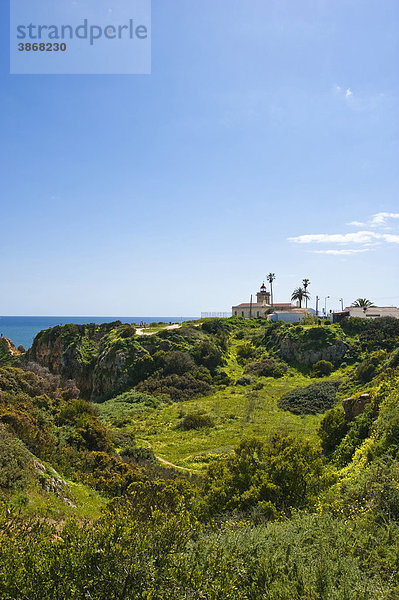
(263, 296)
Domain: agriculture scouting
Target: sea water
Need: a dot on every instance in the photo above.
(22, 330)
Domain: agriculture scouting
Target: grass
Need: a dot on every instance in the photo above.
(86, 503)
(237, 411)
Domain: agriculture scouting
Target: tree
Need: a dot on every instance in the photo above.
(300, 294)
(270, 278)
(306, 283)
(362, 303)
(279, 475)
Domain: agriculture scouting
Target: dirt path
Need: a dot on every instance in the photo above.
(11, 347)
(169, 464)
(166, 462)
(142, 331)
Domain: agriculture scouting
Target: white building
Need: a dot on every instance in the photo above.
(292, 316)
(373, 312)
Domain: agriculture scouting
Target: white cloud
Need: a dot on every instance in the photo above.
(357, 224)
(392, 239)
(362, 238)
(359, 100)
(359, 237)
(345, 252)
(377, 220)
(347, 93)
(372, 234)
(382, 217)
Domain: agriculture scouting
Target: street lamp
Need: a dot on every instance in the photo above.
(325, 305)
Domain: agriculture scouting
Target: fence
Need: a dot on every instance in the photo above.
(220, 315)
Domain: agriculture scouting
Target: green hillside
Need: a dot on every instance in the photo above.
(221, 459)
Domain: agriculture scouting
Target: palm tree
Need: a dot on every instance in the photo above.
(270, 278)
(300, 294)
(306, 283)
(363, 303)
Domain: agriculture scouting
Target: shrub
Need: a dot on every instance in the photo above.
(94, 435)
(126, 331)
(315, 398)
(208, 355)
(245, 380)
(69, 390)
(140, 456)
(87, 432)
(353, 325)
(196, 420)
(106, 473)
(370, 367)
(258, 385)
(373, 333)
(221, 377)
(393, 361)
(72, 411)
(245, 350)
(309, 319)
(322, 368)
(177, 362)
(26, 428)
(216, 326)
(14, 460)
(358, 430)
(333, 427)
(27, 381)
(177, 387)
(268, 367)
(376, 488)
(280, 475)
(387, 425)
(366, 371)
(134, 397)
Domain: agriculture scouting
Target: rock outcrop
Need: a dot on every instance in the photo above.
(53, 483)
(308, 346)
(8, 350)
(103, 360)
(355, 406)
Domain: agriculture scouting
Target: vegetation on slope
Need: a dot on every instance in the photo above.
(294, 489)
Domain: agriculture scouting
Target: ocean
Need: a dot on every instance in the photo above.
(22, 330)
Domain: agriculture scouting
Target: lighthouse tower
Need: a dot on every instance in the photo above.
(263, 296)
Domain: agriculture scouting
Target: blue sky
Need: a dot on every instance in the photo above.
(265, 139)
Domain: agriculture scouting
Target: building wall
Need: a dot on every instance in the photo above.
(262, 311)
(263, 297)
(239, 311)
(288, 317)
(374, 312)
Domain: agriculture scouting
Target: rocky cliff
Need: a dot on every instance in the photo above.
(102, 359)
(8, 350)
(308, 346)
